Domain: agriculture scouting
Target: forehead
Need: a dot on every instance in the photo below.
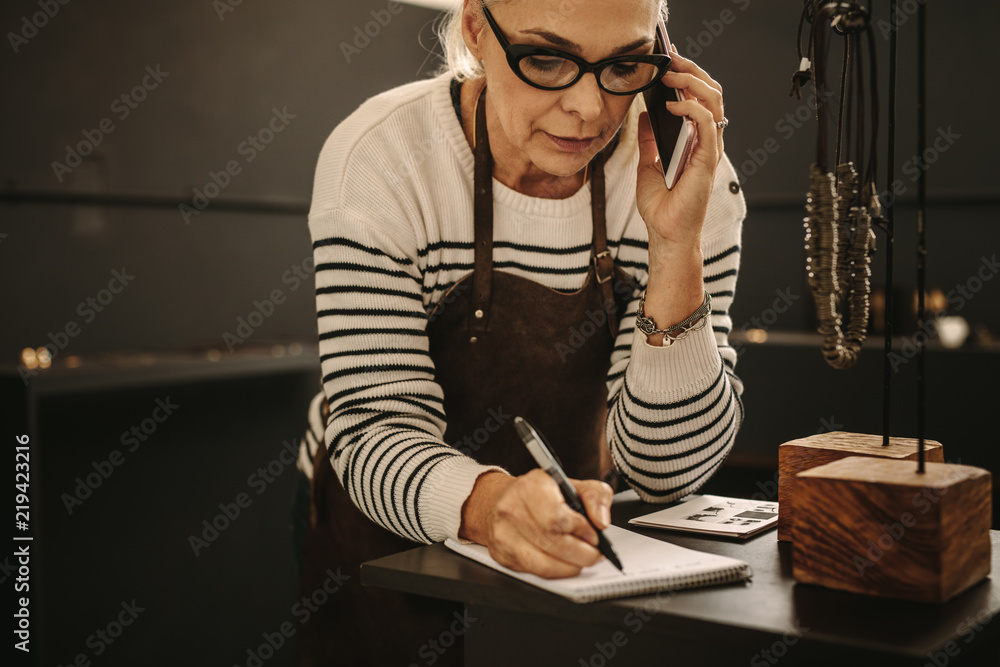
(595, 26)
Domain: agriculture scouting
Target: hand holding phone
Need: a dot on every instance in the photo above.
(675, 136)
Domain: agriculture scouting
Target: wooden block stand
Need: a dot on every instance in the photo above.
(799, 455)
(877, 526)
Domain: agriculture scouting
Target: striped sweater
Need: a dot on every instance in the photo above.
(391, 224)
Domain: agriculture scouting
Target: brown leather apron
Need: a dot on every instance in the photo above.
(502, 345)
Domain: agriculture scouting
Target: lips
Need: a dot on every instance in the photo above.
(572, 144)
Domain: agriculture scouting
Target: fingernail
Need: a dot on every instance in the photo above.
(606, 515)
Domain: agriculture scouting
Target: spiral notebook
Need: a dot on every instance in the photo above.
(650, 565)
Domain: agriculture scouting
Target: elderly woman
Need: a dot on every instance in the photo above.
(484, 242)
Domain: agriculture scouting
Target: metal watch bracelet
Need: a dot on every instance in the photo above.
(671, 335)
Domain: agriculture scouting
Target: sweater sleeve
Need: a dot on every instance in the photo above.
(386, 426)
(673, 412)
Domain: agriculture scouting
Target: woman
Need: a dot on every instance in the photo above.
(483, 243)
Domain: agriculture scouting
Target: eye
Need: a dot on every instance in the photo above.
(543, 63)
(623, 70)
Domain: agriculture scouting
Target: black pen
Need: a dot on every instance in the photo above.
(548, 462)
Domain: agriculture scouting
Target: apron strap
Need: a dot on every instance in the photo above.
(482, 277)
(604, 263)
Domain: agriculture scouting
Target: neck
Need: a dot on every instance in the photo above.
(510, 166)
(533, 182)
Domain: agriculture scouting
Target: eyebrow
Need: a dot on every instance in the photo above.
(571, 45)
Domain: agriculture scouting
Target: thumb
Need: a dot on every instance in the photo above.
(648, 155)
(596, 497)
(650, 184)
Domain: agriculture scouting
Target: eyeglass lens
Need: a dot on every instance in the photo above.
(554, 72)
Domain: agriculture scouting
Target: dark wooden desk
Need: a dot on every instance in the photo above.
(767, 621)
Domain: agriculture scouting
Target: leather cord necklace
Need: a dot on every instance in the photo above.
(840, 206)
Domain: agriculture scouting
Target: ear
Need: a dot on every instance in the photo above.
(473, 26)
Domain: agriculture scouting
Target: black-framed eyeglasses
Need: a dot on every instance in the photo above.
(552, 69)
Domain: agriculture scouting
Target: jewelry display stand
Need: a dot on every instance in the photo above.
(862, 516)
(806, 453)
(877, 526)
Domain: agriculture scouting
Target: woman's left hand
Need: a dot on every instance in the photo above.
(676, 216)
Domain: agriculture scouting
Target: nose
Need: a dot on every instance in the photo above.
(584, 98)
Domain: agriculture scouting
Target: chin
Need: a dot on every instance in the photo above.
(563, 164)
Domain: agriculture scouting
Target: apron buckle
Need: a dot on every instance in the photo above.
(601, 279)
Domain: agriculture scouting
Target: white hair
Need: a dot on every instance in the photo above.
(458, 60)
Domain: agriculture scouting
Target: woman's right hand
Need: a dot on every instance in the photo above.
(528, 527)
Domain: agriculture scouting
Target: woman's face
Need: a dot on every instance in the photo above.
(558, 132)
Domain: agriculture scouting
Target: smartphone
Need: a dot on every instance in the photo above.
(675, 136)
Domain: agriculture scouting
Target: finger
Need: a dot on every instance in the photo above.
(548, 566)
(682, 65)
(693, 87)
(650, 186)
(568, 539)
(542, 564)
(708, 136)
(596, 497)
(564, 547)
(648, 153)
(511, 549)
(552, 518)
(553, 526)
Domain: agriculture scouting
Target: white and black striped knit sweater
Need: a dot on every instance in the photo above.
(391, 223)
